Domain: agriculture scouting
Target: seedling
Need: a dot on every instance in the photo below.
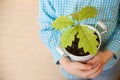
(75, 37)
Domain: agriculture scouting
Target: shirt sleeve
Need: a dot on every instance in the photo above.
(114, 44)
(48, 35)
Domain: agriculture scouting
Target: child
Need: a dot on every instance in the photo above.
(106, 64)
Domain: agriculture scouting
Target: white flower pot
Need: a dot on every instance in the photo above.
(87, 57)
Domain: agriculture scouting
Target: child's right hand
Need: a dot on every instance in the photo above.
(77, 68)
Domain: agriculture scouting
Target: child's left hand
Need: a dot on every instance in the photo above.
(100, 58)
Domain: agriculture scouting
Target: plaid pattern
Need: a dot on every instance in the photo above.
(108, 11)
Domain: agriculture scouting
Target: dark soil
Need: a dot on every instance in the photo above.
(78, 51)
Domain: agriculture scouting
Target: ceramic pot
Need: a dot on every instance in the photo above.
(87, 57)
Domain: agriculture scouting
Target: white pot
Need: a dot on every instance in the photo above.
(87, 57)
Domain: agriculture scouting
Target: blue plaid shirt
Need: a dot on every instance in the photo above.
(109, 13)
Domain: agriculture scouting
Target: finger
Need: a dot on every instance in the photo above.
(96, 74)
(95, 65)
(92, 71)
(94, 61)
(82, 66)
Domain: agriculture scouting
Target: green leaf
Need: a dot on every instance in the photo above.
(87, 40)
(68, 36)
(62, 22)
(85, 13)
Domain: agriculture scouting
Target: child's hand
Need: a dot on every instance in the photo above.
(78, 69)
(101, 57)
(89, 70)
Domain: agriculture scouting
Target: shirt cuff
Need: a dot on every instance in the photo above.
(114, 46)
(56, 56)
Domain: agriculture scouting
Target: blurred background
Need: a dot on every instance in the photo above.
(22, 54)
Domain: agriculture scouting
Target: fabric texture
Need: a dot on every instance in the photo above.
(109, 13)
